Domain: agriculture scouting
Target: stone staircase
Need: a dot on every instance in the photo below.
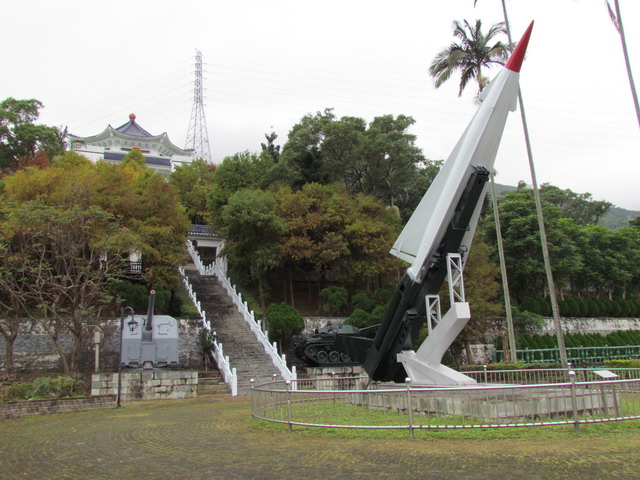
(210, 383)
(239, 343)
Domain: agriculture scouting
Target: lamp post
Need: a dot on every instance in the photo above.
(132, 324)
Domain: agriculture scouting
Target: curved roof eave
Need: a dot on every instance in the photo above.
(109, 132)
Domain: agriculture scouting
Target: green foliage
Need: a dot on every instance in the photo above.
(238, 172)
(21, 137)
(207, 339)
(334, 299)
(525, 321)
(284, 322)
(382, 295)
(134, 160)
(129, 294)
(378, 159)
(362, 300)
(329, 230)
(620, 338)
(42, 388)
(587, 259)
(253, 231)
(470, 55)
(188, 309)
(359, 319)
(194, 184)
(632, 363)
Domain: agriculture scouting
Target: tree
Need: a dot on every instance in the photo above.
(194, 184)
(134, 160)
(481, 288)
(378, 159)
(474, 52)
(147, 205)
(253, 232)
(284, 322)
(270, 147)
(334, 299)
(522, 247)
(237, 172)
(63, 259)
(20, 137)
(580, 207)
(13, 298)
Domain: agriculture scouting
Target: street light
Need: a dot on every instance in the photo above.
(132, 324)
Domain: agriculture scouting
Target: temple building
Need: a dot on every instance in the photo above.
(112, 144)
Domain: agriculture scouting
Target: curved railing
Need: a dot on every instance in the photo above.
(219, 269)
(346, 402)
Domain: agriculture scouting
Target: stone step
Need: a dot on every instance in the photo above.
(239, 343)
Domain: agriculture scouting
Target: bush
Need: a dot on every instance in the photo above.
(382, 296)
(634, 363)
(284, 322)
(594, 308)
(129, 294)
(583, 308)
(44, 387)
(17, 391)
(206, 340)
(359, 318)
(362, 300)
(334, 299)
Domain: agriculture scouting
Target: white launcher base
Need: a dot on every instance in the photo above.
(424, 367)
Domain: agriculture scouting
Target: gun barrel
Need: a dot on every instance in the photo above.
(148, 325)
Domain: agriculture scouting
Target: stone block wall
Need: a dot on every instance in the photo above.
(34, 349)
(58, 405)
(147, 385)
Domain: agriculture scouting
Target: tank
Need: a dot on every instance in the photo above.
(320, 349)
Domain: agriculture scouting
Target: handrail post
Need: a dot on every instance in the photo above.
(253, 398)
(289, 404)
(574, 401)
(409, 408)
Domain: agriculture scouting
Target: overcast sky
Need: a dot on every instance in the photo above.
(270, 62)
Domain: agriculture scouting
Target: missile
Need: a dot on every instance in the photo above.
(421, 237)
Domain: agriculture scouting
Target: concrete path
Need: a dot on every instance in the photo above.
(217, 439)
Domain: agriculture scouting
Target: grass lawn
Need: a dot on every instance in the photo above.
(216, 438)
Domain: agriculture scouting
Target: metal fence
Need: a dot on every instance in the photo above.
(350, 402)
(577, 355)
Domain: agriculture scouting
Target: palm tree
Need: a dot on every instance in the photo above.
(470, 55)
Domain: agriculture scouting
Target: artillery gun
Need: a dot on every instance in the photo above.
(150, 341)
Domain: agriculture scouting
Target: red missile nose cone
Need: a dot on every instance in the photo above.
(516, 58)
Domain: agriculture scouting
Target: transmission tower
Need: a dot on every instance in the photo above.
(197, 136)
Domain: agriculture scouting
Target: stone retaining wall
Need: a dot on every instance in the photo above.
(58, 405)
(34, 349)
(147, 385)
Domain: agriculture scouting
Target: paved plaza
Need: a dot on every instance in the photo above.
(217, 439)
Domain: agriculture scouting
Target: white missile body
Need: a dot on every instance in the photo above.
(477, 147)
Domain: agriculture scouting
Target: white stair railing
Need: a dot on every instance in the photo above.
(219, 269)
(228, 373)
